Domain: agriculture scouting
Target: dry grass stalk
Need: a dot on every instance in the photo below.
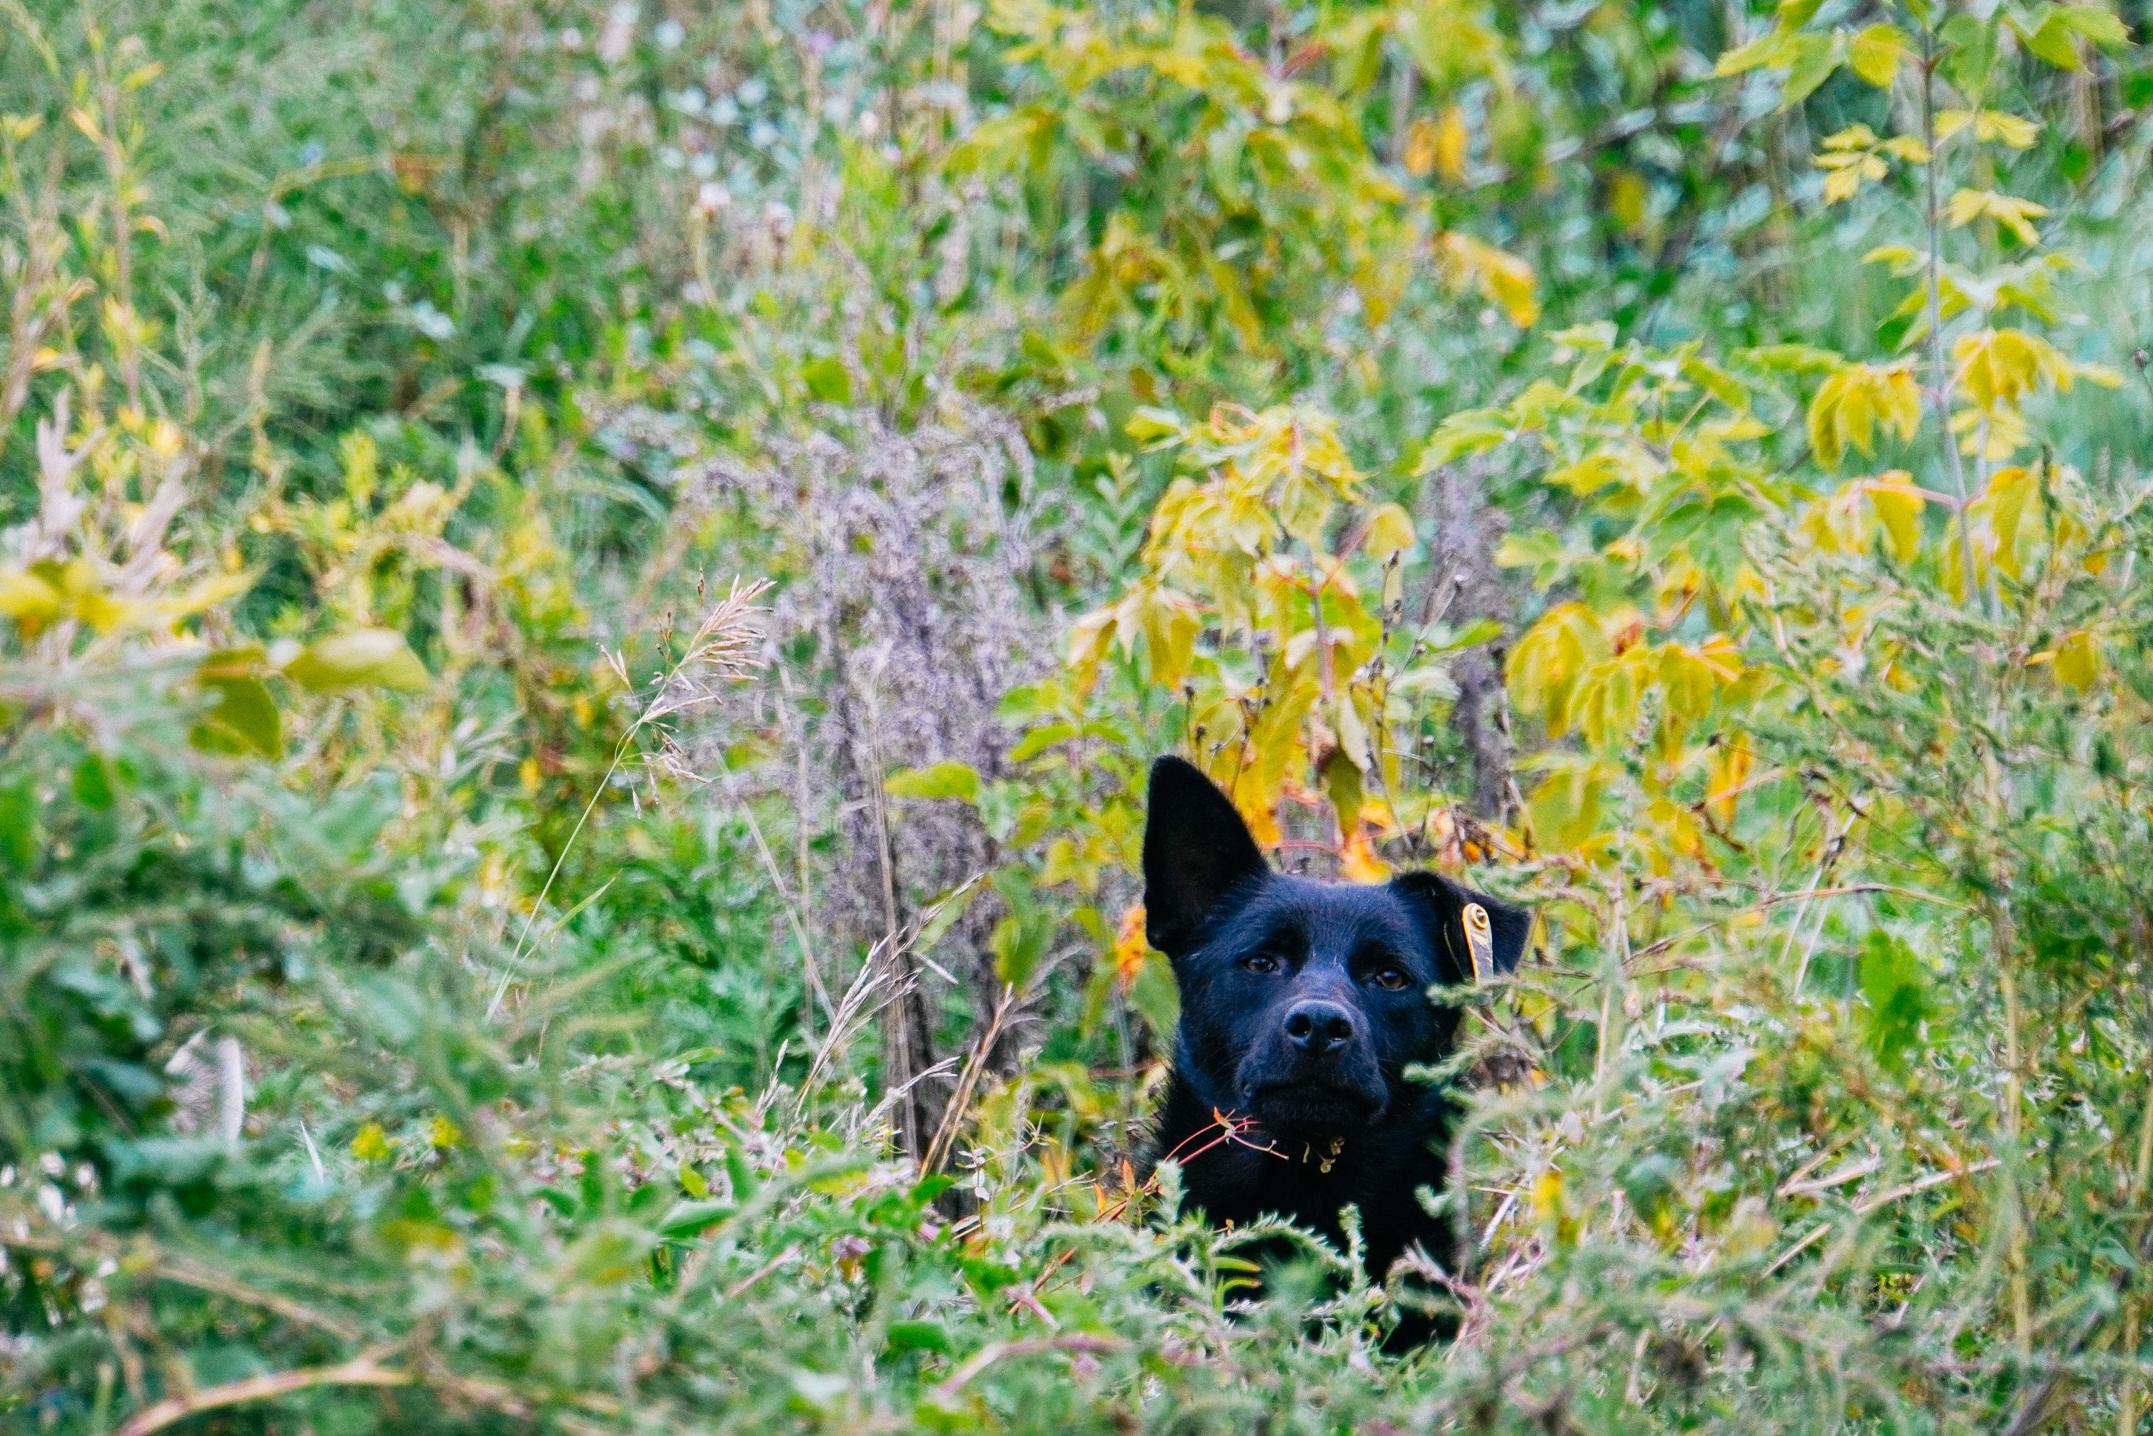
(719, 652)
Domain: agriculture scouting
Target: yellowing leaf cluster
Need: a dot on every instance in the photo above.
(1856, 402)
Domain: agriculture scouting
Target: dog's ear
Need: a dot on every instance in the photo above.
(1446, 907)
(1196, 851)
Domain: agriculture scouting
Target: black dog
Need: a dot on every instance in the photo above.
(1302, 1005)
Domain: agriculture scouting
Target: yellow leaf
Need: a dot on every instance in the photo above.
(2078, 660)
(1876, 52)
(1997, 368)
(28, 599)
(1564, 809)
(1727, 768)
(371, 1144)
(1604, 704)
(1628, 200)
(1550, 657)
(1989, 126)
(2014, 214)
(1420, 148)
(1898, 503)
(1170, 622)
(206, 594)
(1676, 833)
(1390, 531)
(1089, 639)
(1131, 949)
(1850, 404)
(1502, 277)
(1451, 143)
(1357, 860)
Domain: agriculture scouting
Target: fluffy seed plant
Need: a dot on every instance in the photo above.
(720, 652)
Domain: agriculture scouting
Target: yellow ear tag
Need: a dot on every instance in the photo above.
(1480, 941)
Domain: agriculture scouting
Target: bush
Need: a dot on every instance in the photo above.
(468, 962)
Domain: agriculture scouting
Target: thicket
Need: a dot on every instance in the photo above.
(584, 590)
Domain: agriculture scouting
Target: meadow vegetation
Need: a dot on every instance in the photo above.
(586, 589)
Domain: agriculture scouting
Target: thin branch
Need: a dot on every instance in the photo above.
(182, 1272)
(360, 1371)
(995, 1351)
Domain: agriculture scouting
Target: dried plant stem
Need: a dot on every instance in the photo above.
(359, 1371)
(794, 919)
(718, 644)
(975, 1062)
(1880, 1200)
(2014, 1050)
(994, 1351)
(1613, 974)
(1939, 368)
(181, 1272)
(515, 957)
(2141, 1182)
(364, 1370)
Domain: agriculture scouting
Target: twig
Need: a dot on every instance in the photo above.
(360, 1371)
(740, 1288)
(1881, 1199)
(182, 1272)
(945, 1132)
(994, 1351)
(1807, 895)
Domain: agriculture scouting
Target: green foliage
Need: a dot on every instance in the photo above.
(458, 971)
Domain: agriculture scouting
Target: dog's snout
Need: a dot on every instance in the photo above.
(1319, 1027)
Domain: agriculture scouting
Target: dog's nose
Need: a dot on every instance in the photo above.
(1318, 1027)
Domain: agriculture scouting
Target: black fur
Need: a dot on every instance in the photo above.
(1302, 1005)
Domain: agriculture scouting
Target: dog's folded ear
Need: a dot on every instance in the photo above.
(1196, 852)
(1443, 904)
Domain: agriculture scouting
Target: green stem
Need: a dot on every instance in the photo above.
(1939, 368)
(515, 958)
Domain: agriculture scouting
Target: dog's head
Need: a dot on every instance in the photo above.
(1303, 1002)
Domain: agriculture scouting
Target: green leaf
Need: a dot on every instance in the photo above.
(946, 779)
(1153, 997)
(92, 783)
(1019, 944)
(18, 825)
(1032, 744)
(2055, 38)
(920, 1336)
(1768, 51)
(1895, 987)
(1815, 57)
(1875, 53)
(685, 1219)
(827, 379)
(243, 717)
(1148, 425)
(1969, 54)
(359, 658)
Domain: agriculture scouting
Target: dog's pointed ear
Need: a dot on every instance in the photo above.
(1500, 932)
(1196, 851)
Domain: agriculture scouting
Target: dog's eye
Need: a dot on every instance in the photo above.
(1260, 962)
(1392, 979)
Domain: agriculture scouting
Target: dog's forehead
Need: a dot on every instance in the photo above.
(1334, 914)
